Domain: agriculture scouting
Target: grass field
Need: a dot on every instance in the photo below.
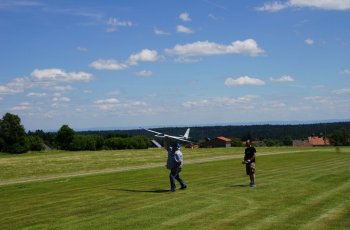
(297, 188)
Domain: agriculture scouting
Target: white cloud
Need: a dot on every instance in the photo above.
(62, 88)
(309, 41)
(114, 105)
(342, 91)
(185, 17)
(220, 102)
(284, 78)
(244, 80)
(18, 85)
(61, 99)
(144, 73)
(32, 94)
(214, 17)
(59, 75)
(322, 4)
(107, 101)
(206, 48)
(160, 32)
(272, 6)
(318, 4)
(5, 89)
(183, 29)
(109, 64)
(145, 55)
(114, 23)
(21, 106)
(82, 49)
(346, 71)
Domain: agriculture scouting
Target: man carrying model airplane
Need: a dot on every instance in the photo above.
(174, 164)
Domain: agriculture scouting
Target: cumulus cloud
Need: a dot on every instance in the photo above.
(107, 101)
(342, 91)
(214, 17)
(109, 64)
(220, 102)
(113, 104)
(145, 55)
(18, 85)
(59, 75)
(318, 4)
(114, 23)
(22, 106)
(285, 78)
(61, 99)
(62, 88)
(82, 49)
(309, 41)
(346, 71)
(244, 80)
(160, 32)
(206, 48)
(272, 6)
(185, 16)
(184, 29)
(144, 73)
(32, 94)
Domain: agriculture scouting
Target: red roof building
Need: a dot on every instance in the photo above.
(318, 141)
(218, 142)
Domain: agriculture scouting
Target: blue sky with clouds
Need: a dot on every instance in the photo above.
(173, 63)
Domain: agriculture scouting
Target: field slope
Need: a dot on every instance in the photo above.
(303, 188)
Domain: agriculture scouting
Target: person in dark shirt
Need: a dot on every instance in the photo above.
(249, 161)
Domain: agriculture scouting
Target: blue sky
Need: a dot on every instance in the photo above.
(158, 63)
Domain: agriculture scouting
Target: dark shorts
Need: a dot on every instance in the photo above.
(250, 168)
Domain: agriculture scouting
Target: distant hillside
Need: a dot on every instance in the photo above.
(257, 132)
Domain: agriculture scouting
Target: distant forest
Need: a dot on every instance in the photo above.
(255, 132)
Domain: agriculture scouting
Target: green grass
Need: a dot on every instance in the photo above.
(303, 188)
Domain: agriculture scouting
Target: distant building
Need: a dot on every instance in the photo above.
(312, 141)
(318, 141)
(218, 142)
(301, 143)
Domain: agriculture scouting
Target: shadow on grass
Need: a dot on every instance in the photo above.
(240, 185)
(142, 190)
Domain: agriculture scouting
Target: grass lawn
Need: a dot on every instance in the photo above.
(304, 188)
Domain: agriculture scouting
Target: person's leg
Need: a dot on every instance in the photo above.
(179, 179)
(248, 171)
(172, 176)
(252, 174)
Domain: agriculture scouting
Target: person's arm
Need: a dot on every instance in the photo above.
(178, 159)
(252, 158)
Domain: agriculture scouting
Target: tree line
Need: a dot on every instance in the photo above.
(14, 139)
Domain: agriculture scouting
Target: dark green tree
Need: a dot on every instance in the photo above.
(12, 134)
(235, 142)
(65, 136)
(340, 137)
(35, 143)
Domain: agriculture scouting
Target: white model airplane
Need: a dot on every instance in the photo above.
(184, 138)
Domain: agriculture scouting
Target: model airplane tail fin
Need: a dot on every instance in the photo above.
(187, 133)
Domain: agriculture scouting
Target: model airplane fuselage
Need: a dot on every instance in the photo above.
(184, 137)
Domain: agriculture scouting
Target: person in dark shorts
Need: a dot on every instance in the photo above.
(249, 161)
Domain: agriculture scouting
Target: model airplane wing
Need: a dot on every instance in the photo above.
(152, 131)
(163, 135)
(179, 138)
